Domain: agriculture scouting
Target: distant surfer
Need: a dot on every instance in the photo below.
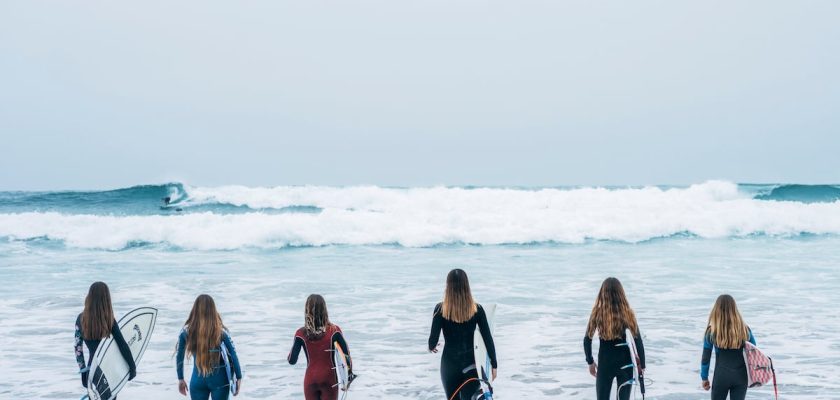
(726, 333)
(167, 200)
(95, 324)
(316, 338)
(457, 316)
(611, 316)
(204, 337)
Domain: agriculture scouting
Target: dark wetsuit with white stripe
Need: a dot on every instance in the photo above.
(613, 357)
(457, 364)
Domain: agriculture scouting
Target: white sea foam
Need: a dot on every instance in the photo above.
(429, 216)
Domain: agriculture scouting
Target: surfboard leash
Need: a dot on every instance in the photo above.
(468, 381)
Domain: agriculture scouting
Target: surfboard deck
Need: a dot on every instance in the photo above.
(342, 371)
(108, 370)
(483, 366)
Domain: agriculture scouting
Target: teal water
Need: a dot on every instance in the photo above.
(380, 256)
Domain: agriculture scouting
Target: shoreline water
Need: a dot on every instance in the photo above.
(382, 297)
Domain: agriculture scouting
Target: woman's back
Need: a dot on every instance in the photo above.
(319, 352)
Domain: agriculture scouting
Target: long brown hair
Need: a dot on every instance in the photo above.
(98, 316)
(204, 333)
(316, 318)
(726, 328)
(611, 314)
(458, 303)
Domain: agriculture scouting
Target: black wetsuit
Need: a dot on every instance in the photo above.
(730, 370)
(613, 355)
(457, 364)
(93, 344)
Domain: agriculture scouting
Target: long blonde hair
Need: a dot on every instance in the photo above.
(204, 333)
(98, 316)
(316, 318)
(458, 303)
(611, 314)
(726, 328)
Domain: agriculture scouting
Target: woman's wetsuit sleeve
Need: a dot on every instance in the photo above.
(437, 322)
(234, 359)
(587, 349)
(123, 346)
(179, 358)
(640, 349)
(78, 347)
(706, 359)
(484, 328)
(339, 337)
(296, 346)
(752, 338)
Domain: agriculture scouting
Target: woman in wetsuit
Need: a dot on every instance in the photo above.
(95, 324)
(202, 338)
(317, 337)
(611, 316)
(726, 334)
(458, 316)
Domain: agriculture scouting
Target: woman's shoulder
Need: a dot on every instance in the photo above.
(301, 332)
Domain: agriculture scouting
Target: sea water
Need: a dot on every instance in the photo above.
(380, 257)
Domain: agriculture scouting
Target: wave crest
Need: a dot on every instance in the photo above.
(432, 216)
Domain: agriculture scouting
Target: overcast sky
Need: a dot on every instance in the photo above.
(390, 92)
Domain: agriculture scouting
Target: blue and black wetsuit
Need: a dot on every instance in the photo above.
(93, 344)
(613, 357)
(457, 364)
(216, 384)
(730, 370)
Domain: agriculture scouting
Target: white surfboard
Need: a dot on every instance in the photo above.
(229, 369)
(342, 370)
(635, 364)
(482, 359)
(108, 370)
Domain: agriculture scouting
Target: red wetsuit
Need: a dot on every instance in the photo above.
(320, 381)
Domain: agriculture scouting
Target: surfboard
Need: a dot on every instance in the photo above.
(342, 370)
(482, 360)
(635, 362)
(108, 370)
(231, 373)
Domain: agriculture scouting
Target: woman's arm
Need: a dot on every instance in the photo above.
(487, 336)
(179, 358)
(78, 347)
(587, 349)
(339, 337)
(124, 350)
(297, 345)
(706, 358)
(437, 321)
(234, 359)
(640, 350)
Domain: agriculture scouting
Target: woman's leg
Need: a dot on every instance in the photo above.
(603, 382)
(219, 385)
(622, 376)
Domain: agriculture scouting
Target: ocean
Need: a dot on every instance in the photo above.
(380, 256)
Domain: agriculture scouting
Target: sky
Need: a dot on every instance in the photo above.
(404, 93)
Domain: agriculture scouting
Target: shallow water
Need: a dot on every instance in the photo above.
(382, 296)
